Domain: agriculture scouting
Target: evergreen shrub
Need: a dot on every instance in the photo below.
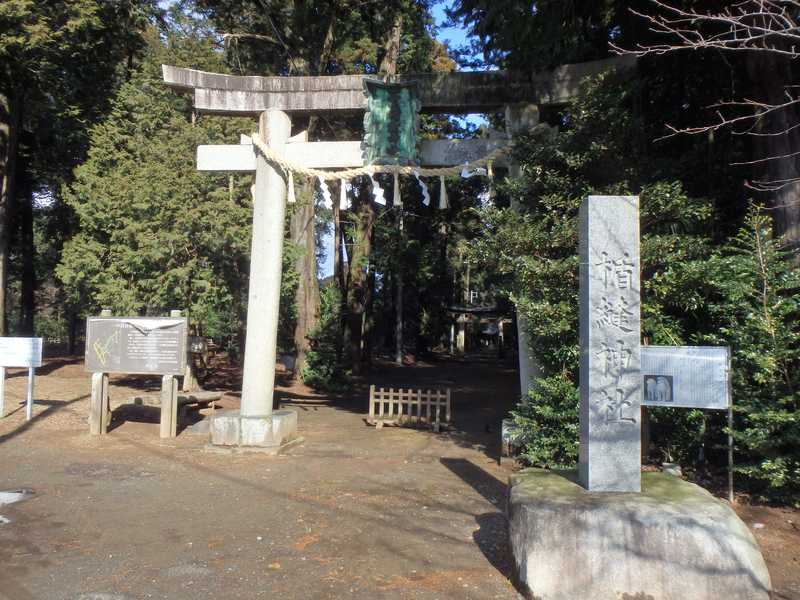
(700, 286)
(323, 369)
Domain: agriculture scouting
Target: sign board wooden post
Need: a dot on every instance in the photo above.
(98, 408)
(169, 397)
(19, 352)
(169, 406)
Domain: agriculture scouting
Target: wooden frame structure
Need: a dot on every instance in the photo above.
(389, 406)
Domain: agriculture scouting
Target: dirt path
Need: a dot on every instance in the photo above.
(353, 512)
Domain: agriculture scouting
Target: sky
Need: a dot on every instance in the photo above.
(454, 35)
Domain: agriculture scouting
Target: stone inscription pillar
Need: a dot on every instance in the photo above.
(266, 259)
(610, 380)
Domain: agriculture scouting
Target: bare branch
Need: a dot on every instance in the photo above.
(237, 36)
(761, 109)
(757, 187)
(774, 186)
(766, 159)
(785, 131)
(755, 26)
(749, 26)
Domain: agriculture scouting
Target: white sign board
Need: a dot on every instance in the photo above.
(20, 352)
(686, 376)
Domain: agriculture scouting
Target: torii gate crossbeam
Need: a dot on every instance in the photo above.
(457, 92)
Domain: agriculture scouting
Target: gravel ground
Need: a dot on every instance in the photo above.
(353, 512)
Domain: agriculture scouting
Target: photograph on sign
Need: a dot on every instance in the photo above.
(134, 345)
(686, 376)
(658, 389)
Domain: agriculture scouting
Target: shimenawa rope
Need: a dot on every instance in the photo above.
(291, 167)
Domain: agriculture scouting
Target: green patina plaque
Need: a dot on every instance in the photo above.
(390, 124)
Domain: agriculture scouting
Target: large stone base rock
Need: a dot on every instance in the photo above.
(673, 541)
(229, 429)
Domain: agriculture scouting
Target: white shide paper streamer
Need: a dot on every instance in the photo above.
(426, 195)
(377, 192)
(327, 201)
(344, 202)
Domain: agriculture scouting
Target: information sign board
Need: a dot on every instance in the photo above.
(144, 345)
(686, 376)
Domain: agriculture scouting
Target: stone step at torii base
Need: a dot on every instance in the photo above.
(271, 434)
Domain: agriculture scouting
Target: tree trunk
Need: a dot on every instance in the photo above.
(345, 257)
(307, 296)
(398, 303)
(770, 75)
(72, 332)
(369, 319)
(389, 67)
(302, 233)
(28, 253)
(338, 273)
(388, 64)
(238, 283)
(364, 217)
(10, 120)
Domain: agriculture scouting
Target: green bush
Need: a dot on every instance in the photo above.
(755, 308)
(323, 369)
(548, 418)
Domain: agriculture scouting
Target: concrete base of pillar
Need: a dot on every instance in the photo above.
(230, 430)
(672, 541)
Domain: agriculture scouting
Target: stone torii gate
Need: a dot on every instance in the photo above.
(273, 100)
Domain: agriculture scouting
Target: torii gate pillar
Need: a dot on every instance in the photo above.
(266, 256)
(256, 425)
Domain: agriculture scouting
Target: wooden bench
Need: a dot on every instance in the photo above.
(389, 406)
(201, 399)
(183, 400)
